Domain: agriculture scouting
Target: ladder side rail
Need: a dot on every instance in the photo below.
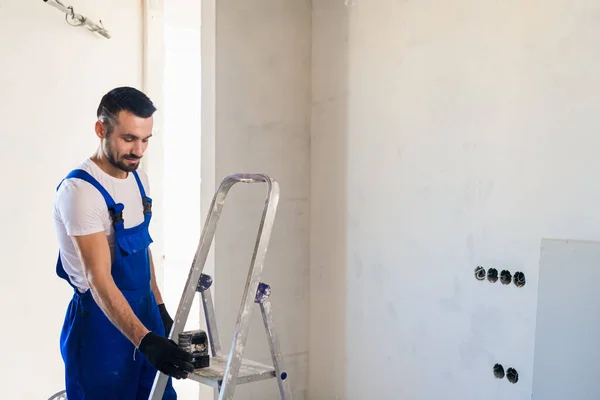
(282, 382)
(211, 322)
(245, 312)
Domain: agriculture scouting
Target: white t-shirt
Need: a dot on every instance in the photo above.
(80, 209)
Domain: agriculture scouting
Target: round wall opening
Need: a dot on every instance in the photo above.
(512, 375)
(505, 277)
(479, 273)
(499, 371)
(519, 279)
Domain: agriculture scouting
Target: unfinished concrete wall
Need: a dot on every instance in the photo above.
(262, 117)
(53, 76)
(328, 199)
(457, 134)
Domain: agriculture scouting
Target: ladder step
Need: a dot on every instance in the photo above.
(250, 371)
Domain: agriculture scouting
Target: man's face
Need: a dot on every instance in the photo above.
(125, 146)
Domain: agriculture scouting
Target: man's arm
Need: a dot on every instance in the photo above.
(95, 255)
(155, 290)
(164, 314)
(163, 354)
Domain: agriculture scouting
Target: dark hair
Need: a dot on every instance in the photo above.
(123, 99)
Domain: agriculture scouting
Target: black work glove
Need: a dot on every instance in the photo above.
(166, 356)
(166, 319)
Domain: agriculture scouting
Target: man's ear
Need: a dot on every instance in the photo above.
(100, 129)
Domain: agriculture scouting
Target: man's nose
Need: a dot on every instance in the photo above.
(138, 149)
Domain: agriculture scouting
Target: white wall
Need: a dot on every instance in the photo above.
(261, 63)
(445, 136)
(51, 80)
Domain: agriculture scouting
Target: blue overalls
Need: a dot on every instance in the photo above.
(100, 362)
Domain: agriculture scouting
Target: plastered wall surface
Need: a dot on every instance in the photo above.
(52, 78)
(455, 135)
(328, 213)
(262, 90)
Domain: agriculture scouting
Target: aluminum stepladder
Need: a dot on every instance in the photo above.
(228, 370)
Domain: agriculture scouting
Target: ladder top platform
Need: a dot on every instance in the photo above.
(250, 371)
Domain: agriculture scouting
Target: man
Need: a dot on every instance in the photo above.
(114, 334)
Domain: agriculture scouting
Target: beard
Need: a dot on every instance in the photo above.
(120, 162)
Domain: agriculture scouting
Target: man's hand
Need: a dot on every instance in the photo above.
(166, 356)
(166, 319)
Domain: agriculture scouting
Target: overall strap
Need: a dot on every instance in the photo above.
(145, 199)
(115, 209)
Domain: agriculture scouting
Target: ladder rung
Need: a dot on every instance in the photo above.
(250, 371)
